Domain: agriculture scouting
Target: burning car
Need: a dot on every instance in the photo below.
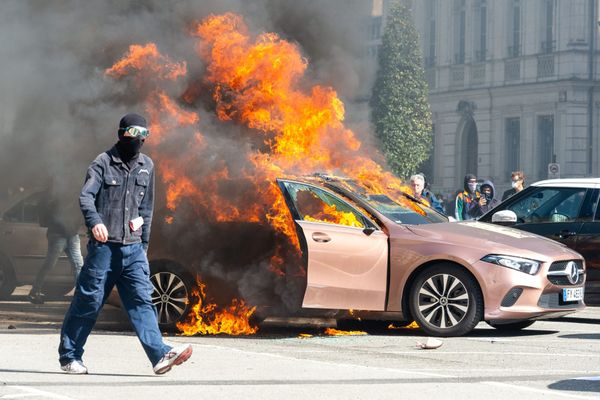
(394, 259)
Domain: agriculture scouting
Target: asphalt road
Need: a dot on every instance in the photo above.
(557, 359)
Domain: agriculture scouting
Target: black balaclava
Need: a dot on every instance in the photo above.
(128, 147)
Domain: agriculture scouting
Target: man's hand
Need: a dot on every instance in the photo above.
(100, 232)
(482, 201)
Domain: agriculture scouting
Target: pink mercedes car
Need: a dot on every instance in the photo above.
(396, 259)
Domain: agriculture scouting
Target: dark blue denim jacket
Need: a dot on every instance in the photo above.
(113, 195)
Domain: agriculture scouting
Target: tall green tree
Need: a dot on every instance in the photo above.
(399, 106)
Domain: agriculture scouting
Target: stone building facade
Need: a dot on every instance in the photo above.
(513, 86)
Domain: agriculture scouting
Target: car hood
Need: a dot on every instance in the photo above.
(494, 239)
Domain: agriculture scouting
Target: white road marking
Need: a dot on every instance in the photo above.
(588, 378)
(31, 392)
(541, 391)
(498, 353)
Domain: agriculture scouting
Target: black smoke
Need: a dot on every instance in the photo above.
(59, 109)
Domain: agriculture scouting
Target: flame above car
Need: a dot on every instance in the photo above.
(255, 90)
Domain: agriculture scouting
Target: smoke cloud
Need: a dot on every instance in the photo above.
(59, 108)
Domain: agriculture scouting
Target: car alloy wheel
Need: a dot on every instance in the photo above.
(443, 301)
(446, 301)
(170, 297)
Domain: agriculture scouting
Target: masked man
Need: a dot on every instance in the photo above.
(467, 202)
(117, 200)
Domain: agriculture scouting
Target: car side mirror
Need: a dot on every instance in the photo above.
(369, 230)
(504, 217)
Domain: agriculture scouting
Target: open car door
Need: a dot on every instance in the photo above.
(347, 253)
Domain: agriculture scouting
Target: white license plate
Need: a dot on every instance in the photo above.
(572, 294)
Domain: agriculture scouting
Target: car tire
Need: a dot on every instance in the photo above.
(56, 290)
(173, 286)
(511, 327)
(445, 300)
(8, 281)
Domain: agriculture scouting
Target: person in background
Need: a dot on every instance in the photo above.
(487, 200)
(117, 202)
(517, 179)
(63, 220)
(442, 199)
(467, 202)
(420, 192)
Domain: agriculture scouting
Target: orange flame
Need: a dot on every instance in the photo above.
(207, 320)
(257, 83)
(147, 58)
(412, 325)
(337, 332)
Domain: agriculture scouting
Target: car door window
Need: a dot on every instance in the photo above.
(550, 205)
(25, 211)
(314, 204)
(15, 213)
(590, 205)
(597, 218)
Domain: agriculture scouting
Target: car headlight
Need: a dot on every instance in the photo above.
(520, 264)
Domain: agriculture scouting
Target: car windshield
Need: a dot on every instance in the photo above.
(404, 210)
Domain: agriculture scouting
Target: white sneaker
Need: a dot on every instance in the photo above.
(74, 367)
(175, 356)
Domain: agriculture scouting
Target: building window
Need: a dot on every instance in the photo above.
(548, 43)
(372, 51)
(514, 39)
(480, 30)
(545, 144)
(471, 148)
(460, 15)
(428, 166)
(375, 29)
(430, 32)
(513, 145)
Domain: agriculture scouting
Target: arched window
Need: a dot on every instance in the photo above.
(470, 147)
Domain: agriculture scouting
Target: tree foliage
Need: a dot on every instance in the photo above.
(400, 110)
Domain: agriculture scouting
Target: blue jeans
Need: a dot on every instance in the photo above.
(57, 244)
(107, 265)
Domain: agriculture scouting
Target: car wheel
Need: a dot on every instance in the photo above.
(56, 290)
(171, 296)
(8, 282)
(513, 326)
(445, 300)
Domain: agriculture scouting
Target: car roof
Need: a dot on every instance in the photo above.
(570, 182)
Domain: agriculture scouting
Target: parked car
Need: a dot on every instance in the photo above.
(23, 247)
(565, 210)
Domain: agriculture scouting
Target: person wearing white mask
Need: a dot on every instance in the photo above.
(517, 184)
(467, 202)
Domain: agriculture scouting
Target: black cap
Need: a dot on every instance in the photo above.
(132, 119)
